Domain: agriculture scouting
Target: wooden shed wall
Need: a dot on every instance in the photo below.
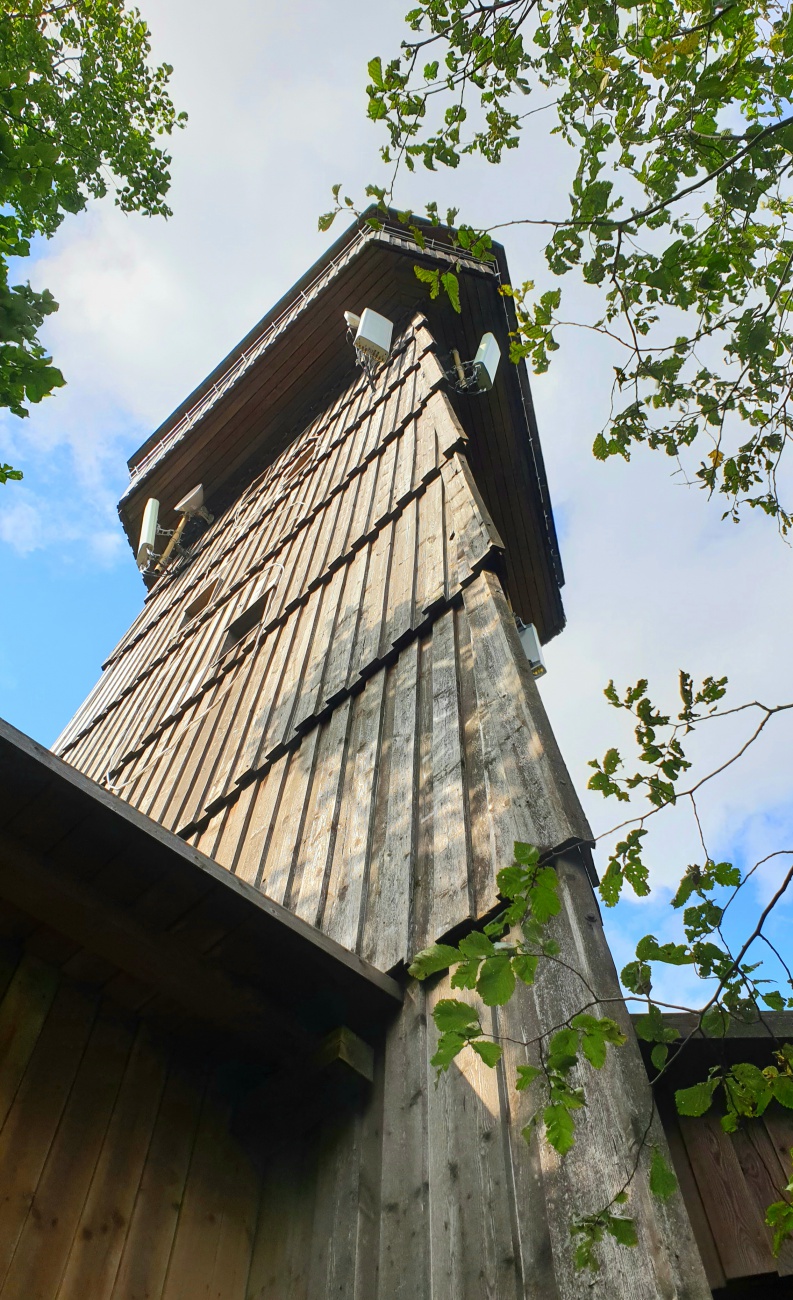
(121, 1177)
(132, 1170)
(729, 1180)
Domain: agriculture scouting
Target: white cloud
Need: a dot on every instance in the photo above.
(21, 524)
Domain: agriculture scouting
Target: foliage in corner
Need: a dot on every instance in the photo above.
(678, 209)
(81, 110)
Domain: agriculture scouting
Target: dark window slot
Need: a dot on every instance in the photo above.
(245, 622)
(199, 603)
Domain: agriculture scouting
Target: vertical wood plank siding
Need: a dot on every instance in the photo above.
(136, 1170)
(383, 789)
(345, 754)
(729, 1180)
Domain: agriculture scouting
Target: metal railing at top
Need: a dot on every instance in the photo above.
(387, 234)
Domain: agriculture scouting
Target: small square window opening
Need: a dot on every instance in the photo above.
(199, 603)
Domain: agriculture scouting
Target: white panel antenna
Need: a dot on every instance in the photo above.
(190, 507)
(479, 375)
(372, 339)
(486, 362)
(148, 533)
(532, 648)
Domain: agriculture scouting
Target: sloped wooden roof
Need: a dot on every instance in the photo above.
(124, 906)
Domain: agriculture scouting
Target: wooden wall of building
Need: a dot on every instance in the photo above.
(367, 753)
(120, 1174)
(360, 753)
(728, 1181)
(134, 1169)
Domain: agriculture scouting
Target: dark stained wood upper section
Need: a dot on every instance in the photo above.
(262, 396)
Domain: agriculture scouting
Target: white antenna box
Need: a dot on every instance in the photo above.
(373, 338)
(532, 649)
(148, 533)
(192, 503)
(486, 362)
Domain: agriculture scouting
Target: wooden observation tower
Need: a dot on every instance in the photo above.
(307, 759)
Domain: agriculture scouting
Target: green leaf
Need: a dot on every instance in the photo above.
(431, 960)
(659, 1055)
(662, 1180)
(496, 982)
(596, 1034)
(652, 1028)
(526, 1076)
(432, 278)
(674, 954)
(622, 1230)
(375, 70)
(452, 286)
(696, 1100)
(490, 1053)
(559, 1127)
(513, 881)
(779, 1217)
(526, 855)
(782, 1088)
(544, 895)
(326, 221)
(455, 1016)
(563, 1049)
(448, 1047)
(774, 1000)
(637, 977)
(465, 975)
(525, 967)
(476, 944)
(716, 1022)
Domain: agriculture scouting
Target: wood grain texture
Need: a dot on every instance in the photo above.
(102, 1229)
(688, 1186)
(26, 1003)
(470, 1228)
(41, 1256)
(33, 1119)
(734, 1218)
(424, 810)
(155, 1215)
(760, 1168)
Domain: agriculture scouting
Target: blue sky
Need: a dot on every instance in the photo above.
(655, 581)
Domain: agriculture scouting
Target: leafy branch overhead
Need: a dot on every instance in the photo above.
(81, 111)
(679, 209)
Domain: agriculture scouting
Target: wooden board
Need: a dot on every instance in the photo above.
(734, 1219)
(155, 1215)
